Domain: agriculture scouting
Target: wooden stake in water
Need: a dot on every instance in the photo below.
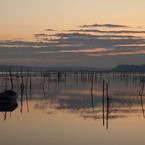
(11, 78)
(6, 80)
(22, 92)
(103, 104)
(27, 79)
(30, 85)
(92, 81)
(22, 75)
(107, 106)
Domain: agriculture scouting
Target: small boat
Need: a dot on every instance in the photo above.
(8, 97)
(8, 100)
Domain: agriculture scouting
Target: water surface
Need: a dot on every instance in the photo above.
(73, 110)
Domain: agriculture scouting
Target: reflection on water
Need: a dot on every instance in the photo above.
(4, 108)
(98, 97)
(89, 95)
(8, 101)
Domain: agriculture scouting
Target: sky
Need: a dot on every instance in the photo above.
(90, 33)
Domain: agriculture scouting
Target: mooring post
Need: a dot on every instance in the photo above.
(107, 106)
(103, 104)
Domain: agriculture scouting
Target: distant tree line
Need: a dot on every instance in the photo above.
(16, 68)
(129, 68)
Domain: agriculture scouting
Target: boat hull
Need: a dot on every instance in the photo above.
(8, 100)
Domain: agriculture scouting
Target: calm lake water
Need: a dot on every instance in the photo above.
(73, 110)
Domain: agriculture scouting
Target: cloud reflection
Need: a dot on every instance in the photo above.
(123, 101)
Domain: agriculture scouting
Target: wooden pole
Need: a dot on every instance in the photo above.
(11, 78)
(30, 85)
(92, 81)
(107, 106)
(6, 80)
(103, 110)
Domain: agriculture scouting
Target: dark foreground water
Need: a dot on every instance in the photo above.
(73, 110)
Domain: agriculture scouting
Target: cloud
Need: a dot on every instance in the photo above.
(70, 39)
(40, 35)
(105, 25)
(12, 43)
(17, 39)
(88, 50)
(118, 53)
(50, 30)
(75, 47)
(75, 41)
(114, 32)
(72, 49)
(90, 35)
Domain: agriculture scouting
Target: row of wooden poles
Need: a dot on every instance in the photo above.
(84, 76)
(46, 74)
(21, 75)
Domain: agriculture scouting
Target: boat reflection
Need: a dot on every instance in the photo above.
(8, 102)
(8, 107)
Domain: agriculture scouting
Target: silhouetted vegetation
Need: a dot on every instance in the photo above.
(129, 68)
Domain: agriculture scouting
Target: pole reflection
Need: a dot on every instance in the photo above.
(62, 93)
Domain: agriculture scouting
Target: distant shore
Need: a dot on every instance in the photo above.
(118, 68)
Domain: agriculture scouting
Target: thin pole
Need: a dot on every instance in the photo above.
(103, 105)
(11, 78)
(107, 106)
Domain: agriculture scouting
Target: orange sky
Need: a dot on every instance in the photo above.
(77, 32)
